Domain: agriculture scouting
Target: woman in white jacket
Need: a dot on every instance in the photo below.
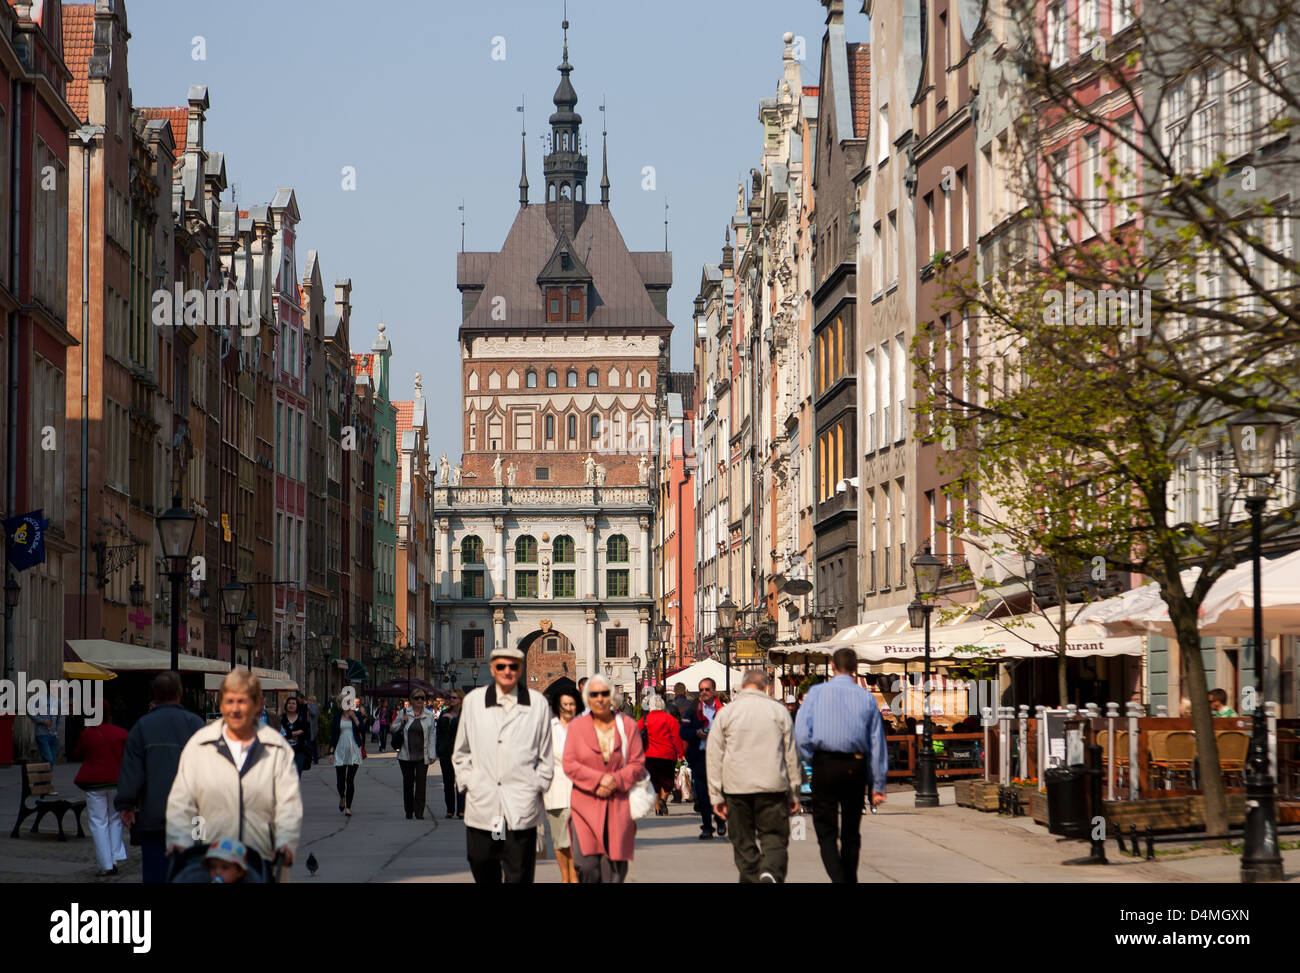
(556, 799)
(416, 726)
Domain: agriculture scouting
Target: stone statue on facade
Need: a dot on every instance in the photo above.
(512, 471)
(643, 468)
(496, 469)
(589, 471)
(444, 470)
(600, 474)
(455, 475)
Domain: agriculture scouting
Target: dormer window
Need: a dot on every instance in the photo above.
(553, 299)
(565, 262)
(575, 304)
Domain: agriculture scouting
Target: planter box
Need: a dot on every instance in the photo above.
(962, 790)
(1196, 810)
(1162, 814)
(1038, 808)
(984, 795)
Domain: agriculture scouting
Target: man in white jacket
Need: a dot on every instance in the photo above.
(504, 763)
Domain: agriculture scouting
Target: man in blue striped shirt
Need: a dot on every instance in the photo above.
(840, 732)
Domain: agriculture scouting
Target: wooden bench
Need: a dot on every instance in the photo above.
(38, 798)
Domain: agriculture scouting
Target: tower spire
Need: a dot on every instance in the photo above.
(523, 154)
(604, 158)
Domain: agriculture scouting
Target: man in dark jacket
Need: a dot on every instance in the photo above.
(695, 731)
(153, 752)
(445, 741)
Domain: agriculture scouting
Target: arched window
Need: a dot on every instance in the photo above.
(550, 427)
(552, 192)
(526, 550)
(566, 578)
(526, 577)
(571, 378)
(616, 549)
(552, 379)
(593, 431)
(565, 191)
(573, 428)
(530, 380)
(593, 379)
(564, 549)
(579, 193)
(471, 550)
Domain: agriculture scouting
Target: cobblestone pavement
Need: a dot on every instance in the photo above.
(378, 844)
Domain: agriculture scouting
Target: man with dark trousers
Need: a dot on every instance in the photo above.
(840, 732)
(695, 731)
(153, 752)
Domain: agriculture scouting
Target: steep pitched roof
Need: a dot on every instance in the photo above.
(619, 297)
(179, 119)
(860, 87)
(405, 410)
(78, 45)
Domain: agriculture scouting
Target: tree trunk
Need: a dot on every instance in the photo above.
(1061, 634)
(1207, 745)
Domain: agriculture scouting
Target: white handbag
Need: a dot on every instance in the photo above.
(641, 796)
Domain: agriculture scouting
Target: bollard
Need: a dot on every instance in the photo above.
(1004, 745)
(1093, 711)
(1119, 838)
(986, 717)
(1133, 839)
(1133, 711)
(1151, 843)
(1162, 711)
(1040, 713)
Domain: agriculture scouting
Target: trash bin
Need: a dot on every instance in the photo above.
(1067, 801)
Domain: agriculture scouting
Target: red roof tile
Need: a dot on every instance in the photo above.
(78, 45)
(405, 412)
(860, 87)
(811, 89)
(179, 118)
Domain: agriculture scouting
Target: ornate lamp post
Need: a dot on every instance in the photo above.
(636, 676)
(926, 571)
(234, 602)
(249, 626)
(176, 534)
(726, 626)
(1254, 444)
(664, 634)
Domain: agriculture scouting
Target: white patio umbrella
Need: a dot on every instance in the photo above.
(1029, 636)
(1229, 608)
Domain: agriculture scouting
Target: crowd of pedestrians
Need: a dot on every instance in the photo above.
(574, 768)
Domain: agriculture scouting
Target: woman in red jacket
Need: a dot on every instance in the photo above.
(664, 747)
(100, 749)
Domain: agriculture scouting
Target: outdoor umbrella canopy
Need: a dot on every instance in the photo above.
(404, 688)
(705, 669)
(1015, 637)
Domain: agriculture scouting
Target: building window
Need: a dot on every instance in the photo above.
(542, 473)
(552, 378)
(525, 584)
(617, 579)
(616, 642)
(593, 378)
(530, 379)
(471, 644)
(566, 585)
(471, 568)
(564, 552)
(575, 304)
(550, 427)
(593, 432)
(526, 550)
(571, 378)
(573, 427)
(563, 549)
(553, 305)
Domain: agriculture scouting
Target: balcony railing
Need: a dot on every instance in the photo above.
(496, 496)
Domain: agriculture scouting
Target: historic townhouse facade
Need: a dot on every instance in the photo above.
(544, 531)
(323, 523)
(413, 500)
(676, 468)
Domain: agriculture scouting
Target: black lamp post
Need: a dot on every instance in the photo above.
(12, 593)
(1254, 444)
(664, 633)
(176, 533)
(636, 677)
(926, 570)
(249, 625)
(726, 625)
(234, 602)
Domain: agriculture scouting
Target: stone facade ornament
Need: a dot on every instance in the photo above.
(643, 469)
(496, 469)
(600, 474)
(455, 475)
(589, 471)
(512, 471)
(444, 470)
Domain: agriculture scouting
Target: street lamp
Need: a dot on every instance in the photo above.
(726, 625)
(234, 602)
(249, 625)
(664, 632)
(474, 671)
(926, 571)
(176, 533)
(636, 680)
(1254, 443)
(12, 593)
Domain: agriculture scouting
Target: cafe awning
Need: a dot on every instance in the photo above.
(272, 680)
(1015, 637)
(121, 657)
(86, 670)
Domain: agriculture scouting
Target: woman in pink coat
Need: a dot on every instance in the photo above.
(600, 821)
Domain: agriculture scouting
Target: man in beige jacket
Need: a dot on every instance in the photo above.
(237, 780)
(754, 777)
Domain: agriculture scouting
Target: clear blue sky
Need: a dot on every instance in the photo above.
(409, 94)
